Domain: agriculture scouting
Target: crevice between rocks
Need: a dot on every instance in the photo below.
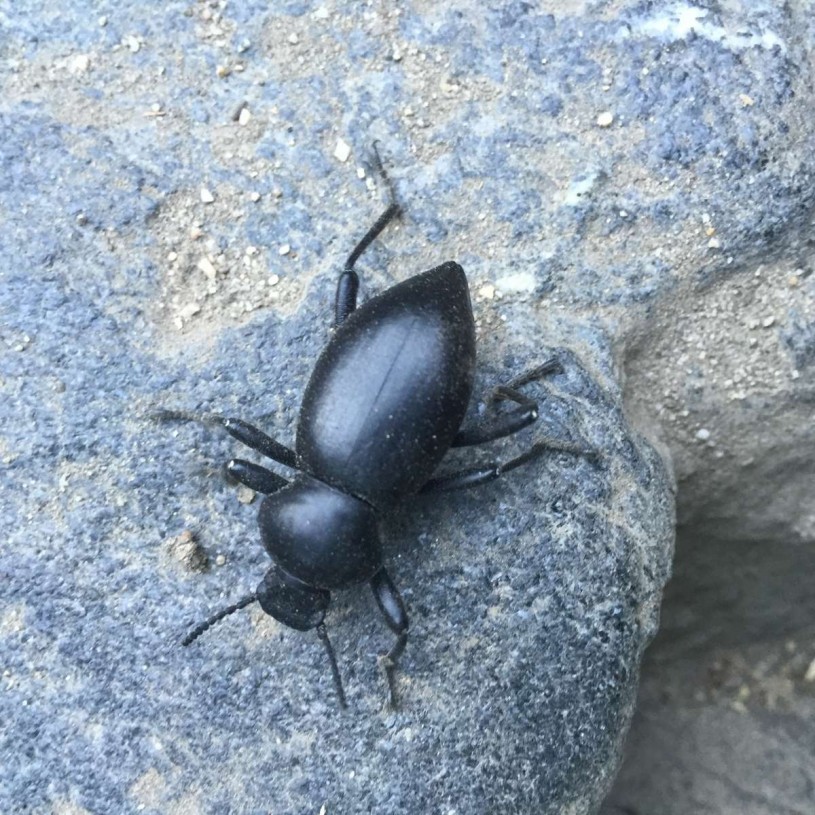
(723, 379)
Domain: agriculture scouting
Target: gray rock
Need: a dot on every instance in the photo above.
(531, 600)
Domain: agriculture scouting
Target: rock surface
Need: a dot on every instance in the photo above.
(182, 183)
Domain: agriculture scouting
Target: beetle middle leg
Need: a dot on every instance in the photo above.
(474, 476)
(393, 610)
(244, 432)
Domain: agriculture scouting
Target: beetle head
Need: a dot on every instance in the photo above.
(292, 602)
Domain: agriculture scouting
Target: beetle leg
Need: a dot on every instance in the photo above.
(506, 424)
(474, 476)
(244, 432)
(393, 610)
(254, 476)
(348, 284)
(322, 633)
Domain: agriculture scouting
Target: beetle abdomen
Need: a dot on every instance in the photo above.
(391, 388)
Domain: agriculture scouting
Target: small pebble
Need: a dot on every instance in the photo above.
(188, 552)
(605, 119)
(703, 434)
(207, 267)
(244, 117)
(342, 151)
(767, 322)
(80, 64)
(220, 560)
(239, 108)
(206, 196)
(284, 249)
(245, 495)
(190, 310)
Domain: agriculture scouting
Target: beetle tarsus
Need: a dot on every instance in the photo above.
(389, 663)
(547, 368)
(322, 633)
(348, 285)
(392, 607)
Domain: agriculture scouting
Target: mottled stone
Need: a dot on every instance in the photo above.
(532, 599)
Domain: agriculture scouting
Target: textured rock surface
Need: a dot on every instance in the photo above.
(599, 173)
(725, 714)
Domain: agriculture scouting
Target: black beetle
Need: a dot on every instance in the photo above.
(386, 401)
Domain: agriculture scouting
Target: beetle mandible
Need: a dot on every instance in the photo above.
(386, 401)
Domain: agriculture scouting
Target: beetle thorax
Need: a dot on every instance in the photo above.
(320, 535)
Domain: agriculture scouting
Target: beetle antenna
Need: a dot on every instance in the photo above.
(322, 633)
(199, 629)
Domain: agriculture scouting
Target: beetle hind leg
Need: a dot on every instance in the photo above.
(475, 476)
(523, 415)
(393, 610)
(348, 284)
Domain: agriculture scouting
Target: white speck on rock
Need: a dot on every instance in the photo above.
(342, 152)
(518, 283)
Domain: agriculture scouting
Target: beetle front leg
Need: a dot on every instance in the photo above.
(254, 476)
(393, 610)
